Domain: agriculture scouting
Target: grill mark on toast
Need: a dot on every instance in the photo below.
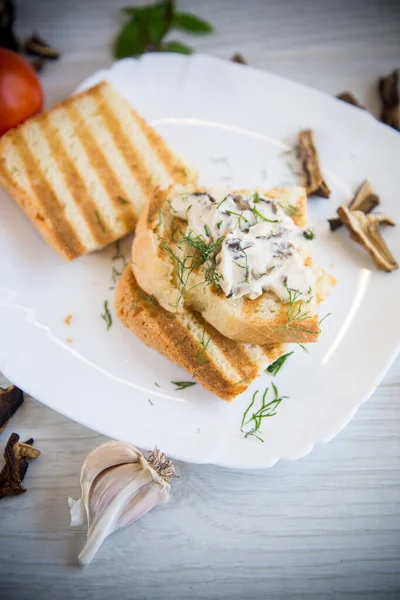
(130, 155)
(233, 352)
(89, 210)
(161, 330)
(62, 231)
(174, 167)
(100, 165)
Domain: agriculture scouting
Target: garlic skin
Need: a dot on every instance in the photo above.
(119, 485)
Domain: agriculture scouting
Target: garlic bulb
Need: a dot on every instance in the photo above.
(119, 485)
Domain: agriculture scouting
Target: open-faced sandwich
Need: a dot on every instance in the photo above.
(242, 259)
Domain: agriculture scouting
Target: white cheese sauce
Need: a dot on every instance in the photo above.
(260, 246)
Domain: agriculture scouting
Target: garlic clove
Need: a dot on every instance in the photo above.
(119, 485)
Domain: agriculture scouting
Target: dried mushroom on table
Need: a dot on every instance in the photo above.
(389, 94)
(11, 399)
(16, 455)
(349, 98)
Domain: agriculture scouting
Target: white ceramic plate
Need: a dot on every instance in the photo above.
(233, 123)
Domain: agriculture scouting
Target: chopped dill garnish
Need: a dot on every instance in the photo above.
(107, 315)
(207, 231)
(187, 211)
(241, 381)
(115, 274)
(204, 345)
(240, 217)
(157, 384)
(323, 319)
(203, 254)
(222, 201)
(150, 402)
(100, 222)
(245, 266)
(261, 216)
(219, 224)
(123, 200)
(170, 205)
(276, 366)
(182, 385)
(296, 314)
(290, 210)
(256, 197)
(267, 409)
(309, 234)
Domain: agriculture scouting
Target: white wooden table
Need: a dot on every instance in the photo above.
(327, 526)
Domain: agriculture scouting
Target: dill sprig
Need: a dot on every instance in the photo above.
(182, 385)
(296, 313)
(222, 201)
(245, 266)
(309, 234)
(122, 200)
(289, 209)
(203, 255)
(267, 409)
(107, 315)
(100, 222)
(261, 216)
(276, 366)
(204, 345)
(240, 217)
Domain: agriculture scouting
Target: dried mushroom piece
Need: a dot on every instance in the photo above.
(36, 46)
(364, 229)
(389, 93)
(365, 200)
(7, 17)
(350, 99)
(312, 178)
(238, 58)
(16, 455)
(10, 401)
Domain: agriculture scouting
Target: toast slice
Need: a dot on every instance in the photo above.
(83, 170)
(158, 258)
(222, 366)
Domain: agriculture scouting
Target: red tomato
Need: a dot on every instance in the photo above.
(21, 94)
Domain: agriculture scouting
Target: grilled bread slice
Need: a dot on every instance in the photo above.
(156, 252)
(222, 366)
(83, 170)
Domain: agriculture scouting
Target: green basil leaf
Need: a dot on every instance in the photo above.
(176, 47)
(130, 41)
(189, 22)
